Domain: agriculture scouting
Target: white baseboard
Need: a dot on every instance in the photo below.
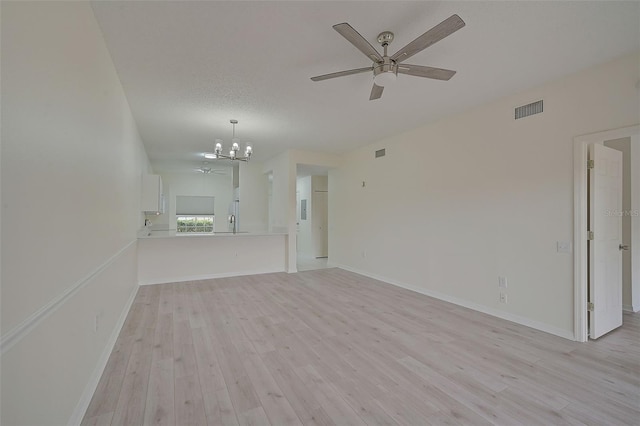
(180, 279)
(628, 308)
(468, 304)
(92, 384)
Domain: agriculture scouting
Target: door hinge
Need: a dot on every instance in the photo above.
(590, 235)
(590, 306)
(590, 164)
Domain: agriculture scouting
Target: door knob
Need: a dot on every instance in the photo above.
(623, 247)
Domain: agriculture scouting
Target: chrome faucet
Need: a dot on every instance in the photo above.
(232, 220)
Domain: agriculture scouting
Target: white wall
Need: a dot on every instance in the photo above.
(459, 202)
(72, 163)
(254, 189)
(280, 201)
(279, 214)
(624, 145)
(197, 184)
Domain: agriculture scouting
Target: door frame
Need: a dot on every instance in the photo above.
(580, 237)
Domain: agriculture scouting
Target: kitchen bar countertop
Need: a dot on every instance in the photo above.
(145, 234)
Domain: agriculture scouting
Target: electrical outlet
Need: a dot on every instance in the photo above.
(502, 282)
(363, 253)
(503, 297)
(96, 323)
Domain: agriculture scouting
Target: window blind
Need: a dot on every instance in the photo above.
(194, 205)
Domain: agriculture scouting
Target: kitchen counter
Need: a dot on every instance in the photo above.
(168, 256)
(173, 234)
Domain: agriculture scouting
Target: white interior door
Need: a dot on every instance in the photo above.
(605, 258)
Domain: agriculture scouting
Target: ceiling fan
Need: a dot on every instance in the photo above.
(385, 68)
(208, 170)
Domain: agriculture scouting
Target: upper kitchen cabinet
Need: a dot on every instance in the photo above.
(152, 195)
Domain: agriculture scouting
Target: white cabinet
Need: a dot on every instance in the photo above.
(152, 196)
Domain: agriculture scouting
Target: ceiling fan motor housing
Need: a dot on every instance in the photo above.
(385, 72)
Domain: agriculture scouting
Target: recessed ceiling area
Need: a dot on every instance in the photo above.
(187, 68)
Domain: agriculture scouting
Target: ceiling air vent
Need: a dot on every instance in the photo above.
(380, 153)
(530, 109)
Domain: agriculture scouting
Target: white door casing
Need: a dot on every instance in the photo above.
(605, 258)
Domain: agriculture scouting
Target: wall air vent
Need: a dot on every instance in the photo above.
(530, 109)
(380, 153)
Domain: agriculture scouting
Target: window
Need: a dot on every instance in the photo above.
(194, 213)
(193, 223)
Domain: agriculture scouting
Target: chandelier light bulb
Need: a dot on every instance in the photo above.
(233, 152)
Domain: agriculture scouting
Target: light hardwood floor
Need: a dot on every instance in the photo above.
(333, 347)
(311, 263)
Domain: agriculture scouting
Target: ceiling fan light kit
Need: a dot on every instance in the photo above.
(385, 73)
(386, 68)
(217, 153)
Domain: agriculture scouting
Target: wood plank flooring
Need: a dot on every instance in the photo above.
(330, 347)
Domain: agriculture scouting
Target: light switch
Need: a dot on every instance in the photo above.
(502, 282)
(564, 247)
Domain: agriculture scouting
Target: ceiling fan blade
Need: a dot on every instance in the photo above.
(435, 34)
(376, 92)
(341, 74)
(358, 41)
(428, 72)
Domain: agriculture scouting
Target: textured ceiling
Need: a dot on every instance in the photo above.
(189, 67)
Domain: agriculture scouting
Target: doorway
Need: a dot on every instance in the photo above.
(631, 233)
(624, 146)
(312, 217)
(320, 217)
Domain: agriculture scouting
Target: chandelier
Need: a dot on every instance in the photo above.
(233, 152)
